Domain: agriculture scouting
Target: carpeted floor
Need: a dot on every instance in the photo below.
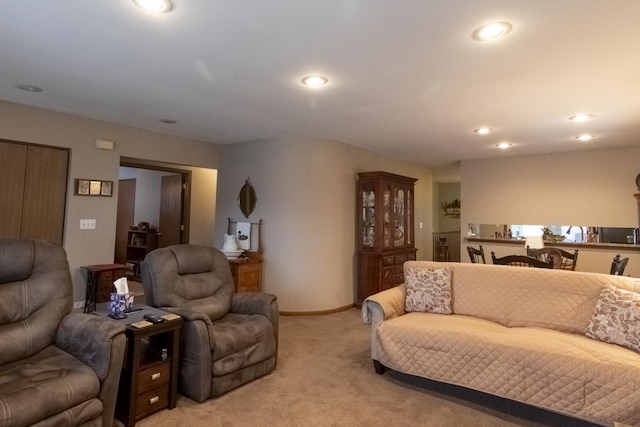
(325, 377)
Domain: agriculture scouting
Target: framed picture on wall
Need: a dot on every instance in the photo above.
(93, 187)
(105, 189)
(82, 187)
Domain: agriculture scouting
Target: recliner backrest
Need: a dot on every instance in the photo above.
(196, 277)
(36, 292)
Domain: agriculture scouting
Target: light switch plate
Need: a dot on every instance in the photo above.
(87, 224)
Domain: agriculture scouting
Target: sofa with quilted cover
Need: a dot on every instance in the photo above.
(527, 334)
(57, 368)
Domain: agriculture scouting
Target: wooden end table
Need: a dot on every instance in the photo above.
(149, 376)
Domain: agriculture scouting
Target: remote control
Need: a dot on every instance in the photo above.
(153, 318)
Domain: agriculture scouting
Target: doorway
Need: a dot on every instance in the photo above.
(153, 196)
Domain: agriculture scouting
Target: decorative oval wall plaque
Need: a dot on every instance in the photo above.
(247, 199)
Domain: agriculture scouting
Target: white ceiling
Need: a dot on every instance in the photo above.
(405, 77)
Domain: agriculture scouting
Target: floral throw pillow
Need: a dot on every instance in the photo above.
(616, 318)
(428, 290)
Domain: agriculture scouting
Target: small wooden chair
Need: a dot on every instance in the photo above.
(562, 259)
(476, 255)
(522, 261)
(618, 265)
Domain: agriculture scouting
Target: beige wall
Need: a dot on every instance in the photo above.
(591, 187)
(306, 199)
(86, 247)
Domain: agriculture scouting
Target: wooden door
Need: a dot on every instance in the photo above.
(171, 208)
(126, 211)
(13, 163)
(33, 191)
(45, 194)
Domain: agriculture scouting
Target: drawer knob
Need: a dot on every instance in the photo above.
(154, 400)
(155, 376)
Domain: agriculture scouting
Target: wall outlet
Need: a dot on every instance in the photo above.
(87, 224)
(78, 304)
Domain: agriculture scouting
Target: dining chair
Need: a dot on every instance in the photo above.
(476, 255)
(618, 265)
(561, 259)
(522, 261)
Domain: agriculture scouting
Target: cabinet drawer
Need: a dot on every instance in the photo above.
(388, 260)
(105, 276)
(400, 259)
(105, 287)
(152, 400)
(154, 376)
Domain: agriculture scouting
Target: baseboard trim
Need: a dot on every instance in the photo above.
(317, 313)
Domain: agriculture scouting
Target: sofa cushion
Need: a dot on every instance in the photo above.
(616, 318)
(239, 341)
(46, 384)
(428, 290)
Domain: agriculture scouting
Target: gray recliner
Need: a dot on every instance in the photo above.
(228, 339)
(56, 368)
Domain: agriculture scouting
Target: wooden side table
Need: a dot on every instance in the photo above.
(100, 280)
(149, 376)
(247, 274)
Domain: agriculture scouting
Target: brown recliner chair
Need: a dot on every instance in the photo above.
(56, 368)
(228, 339)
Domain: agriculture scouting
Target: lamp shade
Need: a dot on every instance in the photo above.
(534, 242)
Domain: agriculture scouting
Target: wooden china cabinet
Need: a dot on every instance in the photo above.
(385, 231)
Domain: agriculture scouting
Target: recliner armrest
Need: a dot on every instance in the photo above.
(188, 314)
(255, 303)
(89, 338)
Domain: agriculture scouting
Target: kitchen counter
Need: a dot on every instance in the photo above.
(617, 246)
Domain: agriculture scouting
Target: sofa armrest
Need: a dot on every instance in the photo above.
(89, 338)
(384, 305)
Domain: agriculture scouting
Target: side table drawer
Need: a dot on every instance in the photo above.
(154, 376)
(153, 400)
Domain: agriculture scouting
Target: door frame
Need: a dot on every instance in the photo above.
(167, 167)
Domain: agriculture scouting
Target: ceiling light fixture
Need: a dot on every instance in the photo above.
(503, 145)
(168, 121)
(29, 88)
(585, 137)
(579, 118)
(315, 81)
(156, 6)
(483, 131)
(492, 31)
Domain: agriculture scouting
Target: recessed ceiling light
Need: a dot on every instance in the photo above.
(29, 88)
(157, 6)
(492, 31)
(483, 131)
(585, 137)
(168, 121)
(503, 145)
(581, 117)
(315, 81)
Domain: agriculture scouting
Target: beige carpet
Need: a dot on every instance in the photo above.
(325, 377)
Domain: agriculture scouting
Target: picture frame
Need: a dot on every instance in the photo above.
(106, 188)
(93, 187)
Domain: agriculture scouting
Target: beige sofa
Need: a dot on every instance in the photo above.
(514, 332)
